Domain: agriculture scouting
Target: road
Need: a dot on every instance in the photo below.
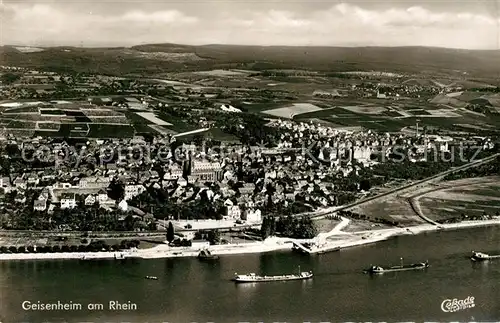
(415, 205)
(191, 132)
(412, 185)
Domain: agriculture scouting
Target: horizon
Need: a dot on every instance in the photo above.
(240, 45)
(325, 23)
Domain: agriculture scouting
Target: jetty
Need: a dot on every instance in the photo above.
(313, 247)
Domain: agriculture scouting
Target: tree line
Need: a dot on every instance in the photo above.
(81, 218)
(292, 227)
(94, 246)
(489, 169)
(465, 217)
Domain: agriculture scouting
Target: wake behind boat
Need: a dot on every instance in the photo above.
(381, 270)
(253, 278)
(481, 256)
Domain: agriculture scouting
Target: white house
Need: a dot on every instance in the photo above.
(182, 182)
(123, 205)
(133, 190)
(44, 194)
(40, 205)
(102, 196)
(68, 201)
(229, 108)
(94, 182)
(20, 198)
(33, 180)
(5, 184)
(20, 183)
(233, 212)
(200, 244)
(90, 199)
(173, 172)
(61, 186)
(253, 215)
(381, 95)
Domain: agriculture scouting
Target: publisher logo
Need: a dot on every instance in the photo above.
(455, 305)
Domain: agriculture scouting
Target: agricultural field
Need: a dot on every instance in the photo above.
(150, 116)
(262, 107)
(394, 119)
(101, 112)
(47, 126)
(225, 73)
(474, 127)
(372, 110)
(213, 134)
(442, 113)
(294, 110)
(449, 199)
(27, 49)
(393, 209)
(72, 119)
(471, 200)
(24, 109)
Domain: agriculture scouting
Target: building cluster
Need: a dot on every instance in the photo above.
(243, 178)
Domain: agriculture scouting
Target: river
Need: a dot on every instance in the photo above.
(188, 290)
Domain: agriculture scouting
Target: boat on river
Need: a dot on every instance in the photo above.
(481, 256)
(381, 270)
(151, 277)
(205, 254)
(253, 278)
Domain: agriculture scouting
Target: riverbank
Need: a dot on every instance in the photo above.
(161, 251)
(367, 237)
(334, 239)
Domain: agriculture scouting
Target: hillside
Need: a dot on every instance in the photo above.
(157, 58)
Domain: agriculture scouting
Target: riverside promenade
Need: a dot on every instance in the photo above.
(331, 240)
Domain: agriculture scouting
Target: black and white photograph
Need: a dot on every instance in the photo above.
(249, 161)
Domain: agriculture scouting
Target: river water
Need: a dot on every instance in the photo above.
(188, 290)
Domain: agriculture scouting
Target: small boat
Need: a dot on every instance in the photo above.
(205, 254)
(381, 270)
(481, 256)
(328, 250)
(253, 278)
(152, 277)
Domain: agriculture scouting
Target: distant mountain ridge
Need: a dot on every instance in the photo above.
(140, 59)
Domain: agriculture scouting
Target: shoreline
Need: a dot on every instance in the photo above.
(347, 240)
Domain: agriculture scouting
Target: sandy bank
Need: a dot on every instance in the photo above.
(367, 237)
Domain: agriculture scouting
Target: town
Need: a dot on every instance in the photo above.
(128, 155)
(231, 161)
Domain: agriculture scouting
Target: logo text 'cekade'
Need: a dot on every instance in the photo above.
(455, 305)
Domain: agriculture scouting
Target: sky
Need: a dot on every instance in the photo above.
(468, 24)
